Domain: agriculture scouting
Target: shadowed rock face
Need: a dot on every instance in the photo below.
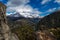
(4, 28)
(5, 33)
(50, 21)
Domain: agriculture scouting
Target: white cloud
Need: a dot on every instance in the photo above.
(58, 1)
(28, 11)
(10, 13)
(1, 0)
(14, 3)
(21, 7)
(51, 10)
(45, 1)
(58, 8)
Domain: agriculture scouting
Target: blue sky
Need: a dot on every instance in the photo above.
(31, 8)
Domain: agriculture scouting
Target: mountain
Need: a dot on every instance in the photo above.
(22, 27)
(52, 20)
(17, 16)
(17, 20)
(29, 26)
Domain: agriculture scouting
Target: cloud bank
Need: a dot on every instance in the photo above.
(23, 8)
(45, 1)
(57, 1)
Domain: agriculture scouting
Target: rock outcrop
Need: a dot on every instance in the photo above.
(45, 35)
(5, 33)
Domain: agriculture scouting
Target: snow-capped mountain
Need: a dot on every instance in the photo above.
(17, 16)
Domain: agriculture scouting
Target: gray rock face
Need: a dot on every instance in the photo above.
(5, 33)
(14, 37)
(45, 35)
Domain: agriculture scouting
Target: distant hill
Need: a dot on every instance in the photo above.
(52, 20)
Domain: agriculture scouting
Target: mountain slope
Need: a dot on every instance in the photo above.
(23, 28)
(52, 20)
(51, 24)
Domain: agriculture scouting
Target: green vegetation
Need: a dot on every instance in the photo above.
(25, 33)
(23, 29)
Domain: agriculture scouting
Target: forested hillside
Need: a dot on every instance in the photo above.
(51, 23)
(23, 28)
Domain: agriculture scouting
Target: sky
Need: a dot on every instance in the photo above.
(31, 8)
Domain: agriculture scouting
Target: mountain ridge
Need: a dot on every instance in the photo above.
(17, 16)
